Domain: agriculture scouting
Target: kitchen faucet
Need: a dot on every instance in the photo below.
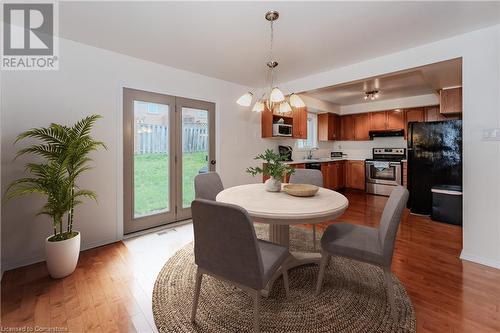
(310, 153)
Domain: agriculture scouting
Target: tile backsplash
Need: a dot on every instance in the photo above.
(353, 149)
(363, 149)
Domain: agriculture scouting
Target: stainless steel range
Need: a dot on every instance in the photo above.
(384, 171)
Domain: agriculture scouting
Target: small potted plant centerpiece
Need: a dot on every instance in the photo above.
(64, 152)
(273, 167)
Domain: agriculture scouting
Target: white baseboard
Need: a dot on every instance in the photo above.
(479, 260)
(8, 265)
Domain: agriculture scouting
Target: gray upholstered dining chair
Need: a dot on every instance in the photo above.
(207, 185)
(308, 176)
(371, 245)
(226, 247)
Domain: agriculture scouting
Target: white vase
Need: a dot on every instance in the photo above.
(273, 185)
(62, 256)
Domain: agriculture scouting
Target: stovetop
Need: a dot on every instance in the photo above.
(388, 154)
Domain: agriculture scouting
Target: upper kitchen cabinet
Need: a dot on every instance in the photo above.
(347, 127)
(432, 114)
(395, 120)
(450, 101)
(413, 115)
(386, 120)
(299, 118)
(361, 127)
(378, 121)
(329, 127)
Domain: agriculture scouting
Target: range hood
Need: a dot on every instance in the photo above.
(386, 133)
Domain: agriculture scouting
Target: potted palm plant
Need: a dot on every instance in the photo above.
(273, 167)
(64, 152)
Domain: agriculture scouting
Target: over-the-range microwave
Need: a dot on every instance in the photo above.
(282, 130)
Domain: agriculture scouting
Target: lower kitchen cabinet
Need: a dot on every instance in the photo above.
(333, 175)
(287, 176)
(338, 175)
(405, 174)
(355, 175)
(294, 166)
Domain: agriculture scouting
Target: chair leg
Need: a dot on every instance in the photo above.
(286, 283)
(314, 237)
(197, 288)
(256, 311)
(390, 291)
(325, 257)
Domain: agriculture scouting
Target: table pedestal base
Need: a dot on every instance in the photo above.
(280, 234)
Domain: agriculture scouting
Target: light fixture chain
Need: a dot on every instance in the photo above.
(271, 54)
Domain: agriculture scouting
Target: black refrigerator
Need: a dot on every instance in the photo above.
(434, 158)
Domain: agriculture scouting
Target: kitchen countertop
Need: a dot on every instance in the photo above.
(323, 160)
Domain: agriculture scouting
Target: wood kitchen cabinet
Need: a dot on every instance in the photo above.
(297, 118)
(355, 175)
(337, 175)
(395, 120)
(333, 175)
(294, 166)
(328, 127)
(361, 127)
(327, 175)
(432, 114)
(299, 122)
(378, 121)
(286, 178)
(347, 128)
(387, 120)
(450, 101)
(413, 115)
(405, 174)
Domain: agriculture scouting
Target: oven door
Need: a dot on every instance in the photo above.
(390, 175)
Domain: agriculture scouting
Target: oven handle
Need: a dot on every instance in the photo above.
(390, 163)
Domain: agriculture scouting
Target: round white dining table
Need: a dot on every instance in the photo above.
(280, 210)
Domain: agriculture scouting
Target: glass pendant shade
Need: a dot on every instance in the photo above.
(296, 101)
(285, 107)
(276, 96)
(258, 107)
(245, 100)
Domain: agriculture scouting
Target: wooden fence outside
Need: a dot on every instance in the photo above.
(154, 139)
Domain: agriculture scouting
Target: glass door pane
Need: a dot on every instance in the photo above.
(148, 160)
(195, 154)
(151, 158)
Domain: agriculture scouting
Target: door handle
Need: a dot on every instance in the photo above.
(212, 162)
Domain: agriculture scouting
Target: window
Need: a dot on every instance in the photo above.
(312, 133)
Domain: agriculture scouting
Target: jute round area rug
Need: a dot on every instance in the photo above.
(353, 298)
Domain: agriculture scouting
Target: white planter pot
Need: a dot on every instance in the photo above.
(273, 185)
(62, 256)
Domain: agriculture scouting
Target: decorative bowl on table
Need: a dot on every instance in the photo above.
(301, 190)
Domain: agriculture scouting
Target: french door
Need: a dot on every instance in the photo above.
(167, 141)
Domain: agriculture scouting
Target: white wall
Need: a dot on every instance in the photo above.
(90, 80)
(390, 104)
(481, 75)
(319, 106)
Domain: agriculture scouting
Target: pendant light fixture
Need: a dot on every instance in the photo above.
(371, 95)
(276, 98)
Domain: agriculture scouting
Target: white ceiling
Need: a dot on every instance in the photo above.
(230, 40)
(413, 82)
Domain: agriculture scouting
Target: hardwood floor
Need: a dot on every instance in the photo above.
(111, 289)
